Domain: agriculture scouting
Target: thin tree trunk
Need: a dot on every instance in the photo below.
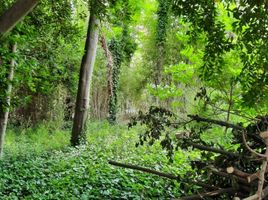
(82, 100)
(4, 112)
(110, 64)
(15, 14)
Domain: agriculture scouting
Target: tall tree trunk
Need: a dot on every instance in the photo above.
(15, 14)
(82, 100)
(4, 109)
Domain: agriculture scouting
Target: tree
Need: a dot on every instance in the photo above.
(4, 106)
(232, 62)
(15, 14)
(87, 65)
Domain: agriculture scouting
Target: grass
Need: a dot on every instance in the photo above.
(39, 164)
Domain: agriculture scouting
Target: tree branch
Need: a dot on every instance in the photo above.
(15, 14)
(209, 194)
(217, 122)
(215, 150)
(162, 174)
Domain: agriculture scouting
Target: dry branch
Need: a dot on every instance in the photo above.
(209, 194)
(162, 174)
(217, 122)
(237, 172)
(250, 149)
(262, 173)
(224, 174)
(264, 134)
(215, 150)
(255, 176)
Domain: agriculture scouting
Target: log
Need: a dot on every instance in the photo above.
(15, 14)
(237, 172)
(209, 194)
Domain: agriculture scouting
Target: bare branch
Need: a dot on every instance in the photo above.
(215, 150)
(162, 174)
(217, 122)
(209, 194)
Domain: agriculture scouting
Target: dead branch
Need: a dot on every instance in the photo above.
(253, 197)
(255, 176)
(250, 149)
(237, 172)
(209, 194)
(224, 174)
(215, 150)
(262, 173)
(217, 122)
(162, 174)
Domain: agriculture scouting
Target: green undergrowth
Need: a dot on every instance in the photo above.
(39, 164)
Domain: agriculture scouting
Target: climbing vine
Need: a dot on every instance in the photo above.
(122, 49)
(161, 32)
(115, 48)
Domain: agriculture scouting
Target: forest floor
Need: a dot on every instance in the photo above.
(39, 164)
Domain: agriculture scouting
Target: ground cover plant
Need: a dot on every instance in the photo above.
(61, 172)
(188, 77)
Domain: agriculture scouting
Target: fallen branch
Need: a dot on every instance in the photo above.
(237, 172)
(255, 176)
(209, 194)
(255, 196)
(217, 122)
(215, 150)
(162, 174)
(221, 173)
(262, 173)
(151, 171)
(250, 149)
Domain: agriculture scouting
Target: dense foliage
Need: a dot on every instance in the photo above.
(191, 76)
(82, 173)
